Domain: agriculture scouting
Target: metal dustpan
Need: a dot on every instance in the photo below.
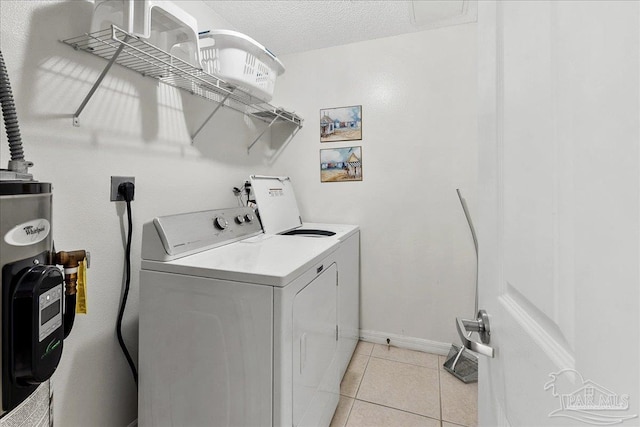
(462, 364)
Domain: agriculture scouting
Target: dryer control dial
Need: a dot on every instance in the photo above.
(220, 223)
(239, 219)
(248, 217)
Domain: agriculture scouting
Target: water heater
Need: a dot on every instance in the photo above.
(32, 290)
(38, 292)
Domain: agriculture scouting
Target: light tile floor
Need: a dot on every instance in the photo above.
(389, 386)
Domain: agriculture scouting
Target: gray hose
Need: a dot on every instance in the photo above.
(17, 162)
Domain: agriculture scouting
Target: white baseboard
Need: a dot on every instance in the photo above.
(409, 343)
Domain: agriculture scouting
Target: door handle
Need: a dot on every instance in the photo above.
(479, 325)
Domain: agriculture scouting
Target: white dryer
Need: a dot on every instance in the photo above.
(280, 215)
(237, 328)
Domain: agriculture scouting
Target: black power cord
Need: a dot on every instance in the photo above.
(126, 189)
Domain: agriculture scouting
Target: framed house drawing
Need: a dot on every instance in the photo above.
(341, 124)
(341, 164)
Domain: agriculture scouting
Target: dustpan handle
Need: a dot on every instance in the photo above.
(465, 208)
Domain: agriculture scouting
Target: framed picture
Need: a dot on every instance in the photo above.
(341, 124)
(341, 164)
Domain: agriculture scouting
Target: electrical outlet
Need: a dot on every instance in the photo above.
(115, 182)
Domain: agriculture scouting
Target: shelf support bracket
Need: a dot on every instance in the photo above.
(221, 104)
(261, 133)
(76, 116)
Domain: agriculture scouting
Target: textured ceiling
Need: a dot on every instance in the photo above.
(301, 25)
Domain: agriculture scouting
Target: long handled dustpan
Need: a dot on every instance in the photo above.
(462, 363)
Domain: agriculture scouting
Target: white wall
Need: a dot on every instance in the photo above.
(132, 126)
(418, 97)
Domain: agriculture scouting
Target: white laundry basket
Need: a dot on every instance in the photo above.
(162, 23)
(240, 61)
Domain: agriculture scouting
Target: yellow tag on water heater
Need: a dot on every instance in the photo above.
(81, 291)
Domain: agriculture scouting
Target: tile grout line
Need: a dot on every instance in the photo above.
(346, 420)
(442, 420)
(363, 374)
(398, 409)
(357, 389)
(406, 363)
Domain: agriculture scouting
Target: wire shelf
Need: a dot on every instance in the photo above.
(117, 46)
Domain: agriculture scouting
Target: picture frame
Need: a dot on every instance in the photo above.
(341, 124)
(341, 164)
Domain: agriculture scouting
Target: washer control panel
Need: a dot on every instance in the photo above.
(175, 236)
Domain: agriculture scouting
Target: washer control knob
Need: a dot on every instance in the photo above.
(239, 219)
(248, 217)
(220, 223)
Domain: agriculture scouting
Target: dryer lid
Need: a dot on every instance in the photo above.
(276, 203)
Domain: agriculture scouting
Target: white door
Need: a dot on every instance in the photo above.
(559, 211)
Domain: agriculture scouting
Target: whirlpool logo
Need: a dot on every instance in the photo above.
(28, 233)
(31, 230)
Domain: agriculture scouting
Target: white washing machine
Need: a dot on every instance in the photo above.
(280, 215)
(237, 327)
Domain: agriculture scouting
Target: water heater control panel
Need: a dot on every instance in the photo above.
(50, 312)
(33, 330)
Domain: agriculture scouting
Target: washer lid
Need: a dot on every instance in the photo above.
(263, 259)
(276, 203)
